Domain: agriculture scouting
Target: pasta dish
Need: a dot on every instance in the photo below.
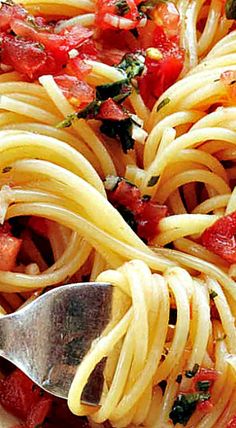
(118, 165)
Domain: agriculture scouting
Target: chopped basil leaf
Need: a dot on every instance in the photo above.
(163, 103)
(203, 385)
(128, 216)
(185, 405)
(135, 33)
(67, 121)
(132, 64)
(147, 6)
(230, 9)
(118, 91)
(6, 169)
(121, 129)
(122, 7)
(179, 378)
(90, 111)
(191, 373)
(213, 294)
(153, 180)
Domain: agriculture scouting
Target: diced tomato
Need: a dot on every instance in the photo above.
(78, 92)
(39, 412)
(228, 78)
(127, 195)
(9, 13)
(18, 394)
(220, 237)
(149, 218)
(205, 406)
(206, 374)
(27, 57)
(110, 110)
(9, 249)
(110, 15)
(166, 15)
(22, 398)
(58, 44)
(147, 214)
(39, 225)
(163, 72)
(232, 423)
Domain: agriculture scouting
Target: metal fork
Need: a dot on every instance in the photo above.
(48, 338)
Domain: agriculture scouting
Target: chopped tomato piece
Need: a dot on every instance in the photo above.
(110, 110)
(206, 374)
(145, 214)
(19, 395)
(127, 195)
(39, 412)
(114, 14)
(76, 91)
(166, 15)
(220, 237)
(27, 57)
(205, 406)
(163, 71)
(9, 13)
(9, 249)
(232, 423)
(149, 218)
(229, 80)
(39, 225)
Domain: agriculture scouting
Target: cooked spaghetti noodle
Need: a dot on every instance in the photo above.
(183, 158)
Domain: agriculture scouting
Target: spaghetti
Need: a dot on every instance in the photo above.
(93, 172)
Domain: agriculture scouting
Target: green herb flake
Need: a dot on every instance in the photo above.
(191, 373)
(118, 91)
(213, 294)
(67, 121)
(230, 9)
(185, 405)
(153, 180)
(179, 378)
(6, 169)
(122, 7)
(203, 385)
(121, 129)
(163, 103)
(132, 64)
(90, 111)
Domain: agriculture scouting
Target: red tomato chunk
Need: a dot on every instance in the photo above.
(9, 249)
(147, 214)
(220, 237)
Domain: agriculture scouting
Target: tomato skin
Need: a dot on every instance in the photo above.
(108, 15)
(149, 218)
(206, 374)
(147, 214)
(18, 394)
(232, 423)
(78, 92)
(10, 13)
(27, 57)
(9, 249)
(109, 110)
(162, 73)
(205, 406)
(220, 237)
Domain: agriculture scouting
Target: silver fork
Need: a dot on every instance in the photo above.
(48, 338)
